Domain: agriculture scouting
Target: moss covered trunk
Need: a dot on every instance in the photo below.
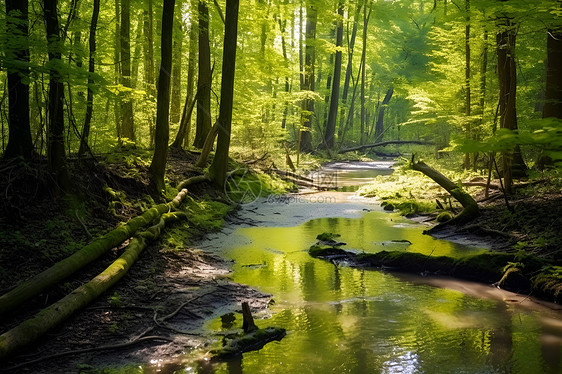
(33, 328)
(470, 206)
(86, 255)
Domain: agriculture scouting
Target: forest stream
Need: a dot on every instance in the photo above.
(346, 320)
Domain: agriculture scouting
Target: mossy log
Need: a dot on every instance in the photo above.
(470, 207)
(488, 267)
(194, 180)
(252, 341)
(86, 255)
(32, 329)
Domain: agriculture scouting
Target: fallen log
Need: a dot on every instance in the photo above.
(86, 255)
(470, 207)
(381, 144)
(193, 180)
(32, 329)
(481, 184)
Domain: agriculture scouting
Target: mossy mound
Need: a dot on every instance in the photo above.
(444, 217)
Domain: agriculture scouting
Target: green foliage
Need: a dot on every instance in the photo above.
(115, 299)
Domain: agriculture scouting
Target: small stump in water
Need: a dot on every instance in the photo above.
(252, 339)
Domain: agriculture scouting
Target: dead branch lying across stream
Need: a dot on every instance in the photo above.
(32, 329)
(83, 257)
(382, 144)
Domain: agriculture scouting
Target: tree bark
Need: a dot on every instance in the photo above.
(204, 82)
(467, 112)
(175, 104)
(219, 167)
(308, 82)
(55, 129)
(334, 100)
(117, 71)
(182, 137)
(379, 126)
(363, 59)
(512, 161)
(127, 122)
(86, 255)
(149, 65)
(17, 66)
(91, 68)
(157, 168)
(553, 91)
(470, 206)
(32, 329)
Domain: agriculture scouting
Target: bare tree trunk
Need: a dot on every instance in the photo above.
(204, 83)
(127, 123)
(157, 168)
(363, 59)
(117, 71)
(55, 130)
(308, 84)
(334, 100)
(175, 105)
(19, 141)
(219, 167)
(467, 80)
(512, 161)
(91, 67)
(149, 65)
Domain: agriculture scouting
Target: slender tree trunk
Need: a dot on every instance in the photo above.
(553, 91)
(219, 167)
(182, 137)
(349, 69)
(512, 161)
(91, 82)
(334, 100)
(149, 65)
(117, 62)
(363, 59)
(135, 62)
(175, 108)
(19, 141)
(127, 124)
(309, 80)
(158, 166)
(204, 82)
(379, 126)
(467, 80)
(55, 129)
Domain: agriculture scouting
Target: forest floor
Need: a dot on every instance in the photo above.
(185, 286)
(169, 277)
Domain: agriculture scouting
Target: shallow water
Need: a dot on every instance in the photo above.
(344, 320)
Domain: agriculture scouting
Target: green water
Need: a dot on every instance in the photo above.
(343, 320)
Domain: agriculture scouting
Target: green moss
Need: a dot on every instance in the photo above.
(327, 236)
(549, 283)
(239, 344)
(444, 217)
(322, 250)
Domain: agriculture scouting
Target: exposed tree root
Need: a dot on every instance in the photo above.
(193, 180)
(86, 255)
(32, 329)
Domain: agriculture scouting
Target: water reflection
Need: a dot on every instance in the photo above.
(359, 321)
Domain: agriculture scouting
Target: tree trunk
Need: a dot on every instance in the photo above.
(363, 58)
(117, 71)
(349, 69)
(553, 92)
(55, 129)
(175, 105)
(204, 82)
(19, 141)
(32, 329)
(158, 166)
(219, 167)
(149, 65)
(379, 126)
(470, 206)
(334, 100)
(83, 257)
(91, 67)
(466, 163)
(127, 122)
(512, 161)
(308, 83)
